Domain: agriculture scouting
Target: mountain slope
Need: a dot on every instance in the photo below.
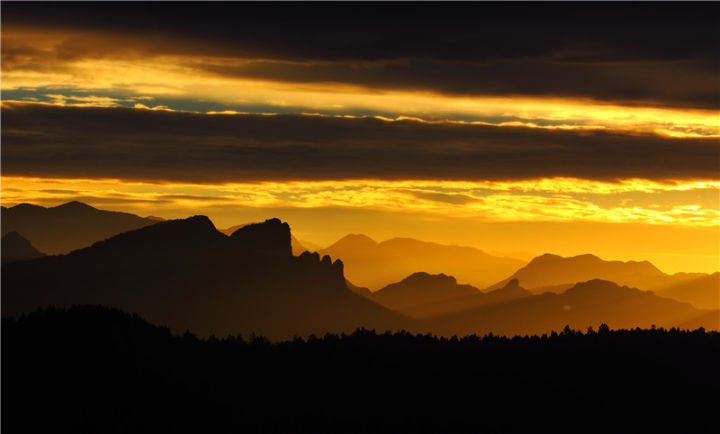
(556, 273)
(702, 292)
(375, 265)
(16, 248)
(67, 227)
(423, 295)
(585, 304)
(186, 274)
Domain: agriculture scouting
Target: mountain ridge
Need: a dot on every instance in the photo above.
(69, 226)
(186, 274)
(376, 265)
(585, 304)
(557, 273)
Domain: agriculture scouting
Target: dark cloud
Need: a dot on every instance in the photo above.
(41, 140)
(672, 84)
(660, 53)
(460, 31)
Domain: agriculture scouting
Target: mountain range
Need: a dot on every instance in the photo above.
(423, 295)
(188, 275)
(260, 278)
(375, 265)
(584, 305)
(69, 226)
(553, 273)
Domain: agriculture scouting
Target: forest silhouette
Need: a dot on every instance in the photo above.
(95, 369)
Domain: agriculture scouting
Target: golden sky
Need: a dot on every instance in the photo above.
(590, 148)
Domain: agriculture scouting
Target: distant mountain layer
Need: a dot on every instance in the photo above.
(186, 274)
(423, 295)
(16, 248)
(702, 292)
(375, 265)
(550, 270)
(585, 304)
(67, 227)
(552, 273)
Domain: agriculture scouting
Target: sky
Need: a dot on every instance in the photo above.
(563, 128)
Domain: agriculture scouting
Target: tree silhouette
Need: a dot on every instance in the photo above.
(125, 373)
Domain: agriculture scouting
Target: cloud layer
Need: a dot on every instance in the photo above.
(43, 140)
(647, 54)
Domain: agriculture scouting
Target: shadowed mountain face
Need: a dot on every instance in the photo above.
(376, 265)
(585, 304)
(186, 274)
(16, 248)
(423, 295)
(67, 227)
(552, 273)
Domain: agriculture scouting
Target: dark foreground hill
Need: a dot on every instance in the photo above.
(97, 370)
(187, 275)
(69, 226)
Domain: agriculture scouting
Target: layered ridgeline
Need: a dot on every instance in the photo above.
(552, 273)
(375, 265)
(448, 308)
(188, 275)
(67, 227)
(584, 305)
(423, 295)
(701, 291)
(16, 248)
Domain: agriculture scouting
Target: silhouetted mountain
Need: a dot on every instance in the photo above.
(376, 265)
(296, 246)
(585, 304)
(16, 248)
(97, 370)
(423, 295)
(555, 273)
(186, 274)
(511, 291)
(271, 238)
(702, 292)
(67, 227)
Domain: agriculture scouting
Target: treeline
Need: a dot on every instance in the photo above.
(95, 369)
